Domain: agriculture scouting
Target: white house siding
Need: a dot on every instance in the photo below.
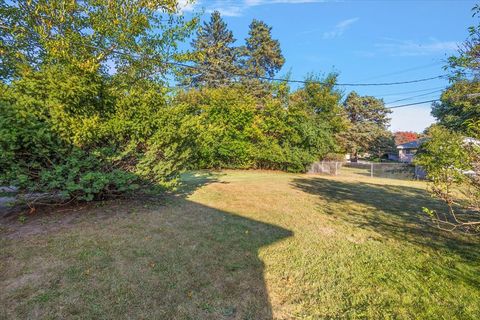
(405, 157)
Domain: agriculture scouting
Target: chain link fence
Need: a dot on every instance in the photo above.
(390, 170)
(328, 167)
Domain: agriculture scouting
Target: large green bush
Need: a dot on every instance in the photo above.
(79, 135)
(98, 148)
(82, 102)
(238, 130)
(85, 113)
(452, 163)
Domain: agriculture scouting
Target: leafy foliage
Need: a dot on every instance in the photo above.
(459, 109)
(368, 121)
(453, 166)
(402, 137)
(452, 155)
(71, 129)
(86, 112)
(34, 158)
(459, 106)
(86, 34)
(239, 130)
(382, 145)
(467, 63)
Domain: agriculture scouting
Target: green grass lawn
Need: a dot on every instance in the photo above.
(243, 245)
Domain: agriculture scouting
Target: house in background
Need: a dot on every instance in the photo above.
(391, 156)
(407, 151)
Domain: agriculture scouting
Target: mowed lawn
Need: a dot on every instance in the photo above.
(243, 245)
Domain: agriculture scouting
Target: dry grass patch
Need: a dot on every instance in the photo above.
(244, 245)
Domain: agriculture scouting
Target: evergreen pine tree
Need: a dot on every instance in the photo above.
(262, 55)
(214, 55)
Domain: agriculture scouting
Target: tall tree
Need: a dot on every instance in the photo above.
(88, 35)
(459, 108)
(322, 99)
(214, 55)
(467, 63)
(319, 104)
(69, 126)
(262, 54)
(450, 159)
(402, 137)
(368, 119)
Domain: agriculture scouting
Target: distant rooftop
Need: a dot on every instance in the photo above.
(417, 143)
(411, 145)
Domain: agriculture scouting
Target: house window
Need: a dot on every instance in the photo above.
(410, 151)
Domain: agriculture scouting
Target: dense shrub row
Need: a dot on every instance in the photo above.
(237, 130)
(86, 113)
(71, 141)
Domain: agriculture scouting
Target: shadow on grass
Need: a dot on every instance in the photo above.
(182, 260)
(396, 213)
(193, 180)
(190, 182)
(381, 170)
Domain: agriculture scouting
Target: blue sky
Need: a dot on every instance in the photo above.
(365, 41)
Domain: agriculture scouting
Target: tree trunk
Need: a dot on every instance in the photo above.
(354, 156)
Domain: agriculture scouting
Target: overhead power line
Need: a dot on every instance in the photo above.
(416, 96)
(467, 96)
(404, 71)
(413, 104)
(183, 65)
(410, 92)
